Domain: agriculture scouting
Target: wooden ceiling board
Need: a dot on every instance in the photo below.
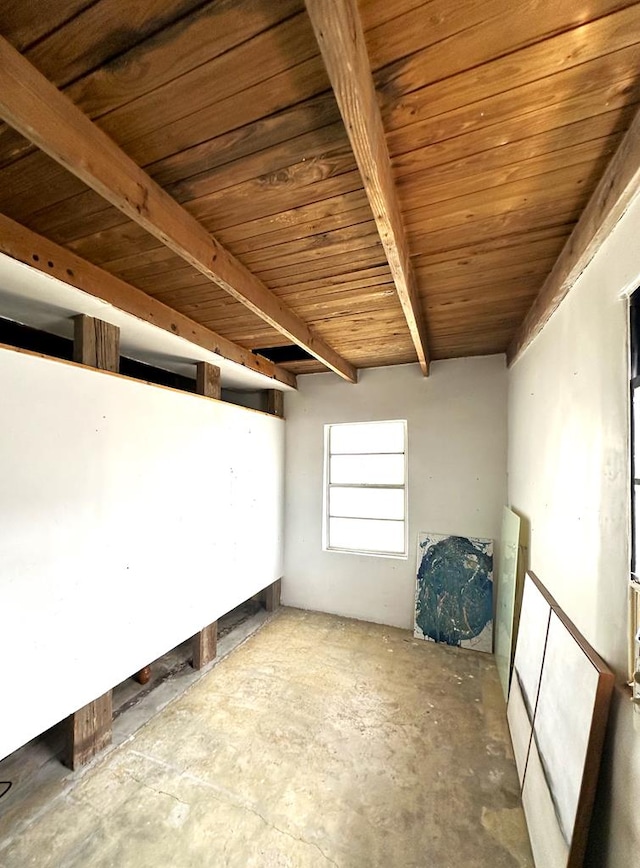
(499, 227)
(23, 26)
(131, 71)
(484, 269)
(552, 186)
(461, 34)
(609, 81)
(120, 240)
(314, 246)
(425, 192)
(343, 263)
(499, 117)
(528, 156)
(414, 89)
(278, 192)
(467, 251)
(52, 204)
(345, 209)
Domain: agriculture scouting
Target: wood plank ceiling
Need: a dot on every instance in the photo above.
(499, 117)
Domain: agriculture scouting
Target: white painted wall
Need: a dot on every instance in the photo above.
(457, 481)
(130, 517)
(569, 478)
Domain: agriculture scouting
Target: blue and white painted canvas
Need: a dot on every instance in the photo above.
(454, 591)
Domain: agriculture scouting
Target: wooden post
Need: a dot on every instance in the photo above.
(96, 343)
(208, 380)
(205, 644)
(272, 596)
(275, 402)
(88, 731)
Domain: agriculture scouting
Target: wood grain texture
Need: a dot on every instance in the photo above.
(205, 645)
(28, 247)
(96, 343)
(272, 595)
(615, 192)
(499, 118)
(41, 112)
(208, 380)
(88, 731)
(340, 36)
(275, 402)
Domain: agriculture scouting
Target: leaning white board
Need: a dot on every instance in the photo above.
(557, 714)
(130, 517)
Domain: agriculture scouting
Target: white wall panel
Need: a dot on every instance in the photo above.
(569, 478)
(130, 517)
(457, 448)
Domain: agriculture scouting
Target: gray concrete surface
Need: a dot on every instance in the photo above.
(318, 741)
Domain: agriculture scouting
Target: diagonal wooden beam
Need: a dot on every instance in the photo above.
(341, 39)
(44, 115)
(618, 187)
(26, 246)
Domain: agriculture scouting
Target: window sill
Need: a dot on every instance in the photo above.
(389, 555)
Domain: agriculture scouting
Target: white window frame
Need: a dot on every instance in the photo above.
(327, 486)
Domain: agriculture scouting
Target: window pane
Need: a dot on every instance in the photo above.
(367, 502)
(364, 535)
(367, 469)
(368, 437)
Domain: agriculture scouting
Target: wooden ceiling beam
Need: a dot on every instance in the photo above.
(44, 115)
(340, 36)
(617, 188)
(26, 246)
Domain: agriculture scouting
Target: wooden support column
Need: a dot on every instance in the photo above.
(88, 731)
(205, 645)
(275, 402)
(208, 380)
(96, 343)
(206, 641)
(272, 596)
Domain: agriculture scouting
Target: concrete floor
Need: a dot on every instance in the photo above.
(319, 741)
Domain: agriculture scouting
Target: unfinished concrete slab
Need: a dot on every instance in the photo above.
(319, 741)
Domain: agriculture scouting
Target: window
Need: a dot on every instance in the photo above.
(365, 488)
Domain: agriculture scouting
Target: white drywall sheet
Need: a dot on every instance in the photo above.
(130, 517)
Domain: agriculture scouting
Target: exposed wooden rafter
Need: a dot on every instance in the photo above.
(617, 188)
(341, 39)
(26, 246)
(44, 115)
